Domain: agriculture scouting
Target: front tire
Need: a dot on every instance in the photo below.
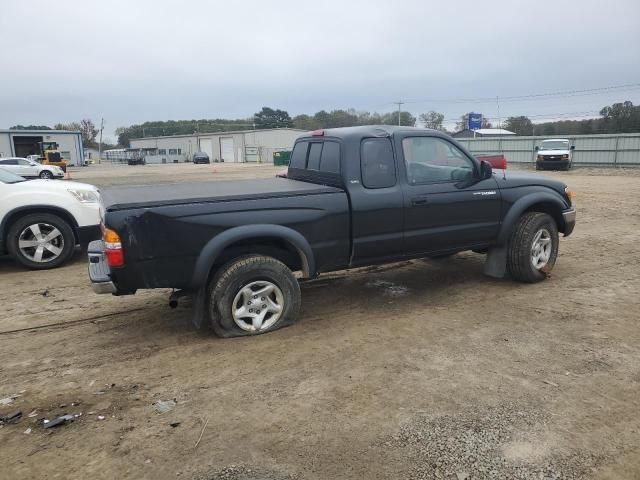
(253, 295)
(46, 175)
(533, 247)
(41, 241)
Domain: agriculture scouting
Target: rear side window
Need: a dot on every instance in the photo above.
(299, 155)
(314, 156)
(330, 159)
(377, 163)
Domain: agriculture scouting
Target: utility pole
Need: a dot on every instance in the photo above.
(100, 142)
(399, 103)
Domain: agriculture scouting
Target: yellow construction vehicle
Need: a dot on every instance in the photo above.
(51, 156)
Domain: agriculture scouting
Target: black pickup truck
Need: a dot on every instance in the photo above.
(352, 197)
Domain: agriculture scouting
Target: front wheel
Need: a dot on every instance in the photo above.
(40, 241)
(533, 247)
(253, 295)
(46, 175)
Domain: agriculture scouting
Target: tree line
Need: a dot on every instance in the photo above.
(621, 117)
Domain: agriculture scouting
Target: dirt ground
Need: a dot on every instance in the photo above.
(424, 369)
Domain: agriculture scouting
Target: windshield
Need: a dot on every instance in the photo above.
(555, 145)
(8, 177)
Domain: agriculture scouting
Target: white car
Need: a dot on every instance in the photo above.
(41, 222)
(28, 168)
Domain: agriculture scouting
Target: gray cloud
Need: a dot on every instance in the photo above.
(148, 60)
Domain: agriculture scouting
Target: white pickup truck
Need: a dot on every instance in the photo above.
(554, 153)
(42, 221)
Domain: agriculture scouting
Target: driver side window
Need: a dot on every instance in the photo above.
(434, 160)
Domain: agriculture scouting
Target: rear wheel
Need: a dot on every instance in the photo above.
(253, 295)
(40, 241)
(533, 247)
(46, 175)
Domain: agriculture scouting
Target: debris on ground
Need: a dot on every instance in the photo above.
(8, 400)
(27, 431)
(164, 406)
(549, 382)
(45, 293)
(390, 289)
(12, 417)
(100, 417)
(174, 424)
(34, 413)
(61, 420)
(246, 472)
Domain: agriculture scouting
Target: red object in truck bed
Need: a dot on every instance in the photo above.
(496, 161)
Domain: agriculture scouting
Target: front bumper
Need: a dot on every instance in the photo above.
(569, 217)
(99, 272)
(551, 164)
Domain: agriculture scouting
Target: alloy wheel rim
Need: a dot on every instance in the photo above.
(257, 306)
(541, 249)
(41, 242)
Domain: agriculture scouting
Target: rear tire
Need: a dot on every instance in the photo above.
(252, 295)
(533, 247)
(26, 241)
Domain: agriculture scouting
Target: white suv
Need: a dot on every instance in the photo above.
(41, 222)
(29, 168)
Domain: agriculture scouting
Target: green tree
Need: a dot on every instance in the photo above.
(305, 122)
(519, 125)
(270, 118)
(432, 119)
(122, 133)
(548, 129)
(391, 118)
(621, 118)
(89, 132)
(29, 127)
(86, 128)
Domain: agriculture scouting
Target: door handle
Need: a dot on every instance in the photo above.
(419, 201)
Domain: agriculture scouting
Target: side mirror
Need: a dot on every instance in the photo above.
(536, 148)
(573, 147)
(485, 170)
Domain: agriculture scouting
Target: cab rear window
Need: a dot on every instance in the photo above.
(299, 155)
(316, 156)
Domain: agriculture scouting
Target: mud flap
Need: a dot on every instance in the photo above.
(496, 263)
(200, 317)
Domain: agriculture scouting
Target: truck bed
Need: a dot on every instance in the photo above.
(146, 196)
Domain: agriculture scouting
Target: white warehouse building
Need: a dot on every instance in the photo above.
(240, 146)
(21, 143)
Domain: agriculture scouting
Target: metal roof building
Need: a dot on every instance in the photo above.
(235, 146)
(20, 143)
(483, 132)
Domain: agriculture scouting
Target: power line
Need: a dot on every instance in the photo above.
(559, 94)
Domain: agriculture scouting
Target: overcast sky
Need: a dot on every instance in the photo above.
(132, 61)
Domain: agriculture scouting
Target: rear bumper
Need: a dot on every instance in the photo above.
(99, 272)
(569, 217)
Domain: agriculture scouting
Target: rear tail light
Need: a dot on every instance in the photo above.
(113, 248)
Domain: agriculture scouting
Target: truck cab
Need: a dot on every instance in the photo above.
(554, 153)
